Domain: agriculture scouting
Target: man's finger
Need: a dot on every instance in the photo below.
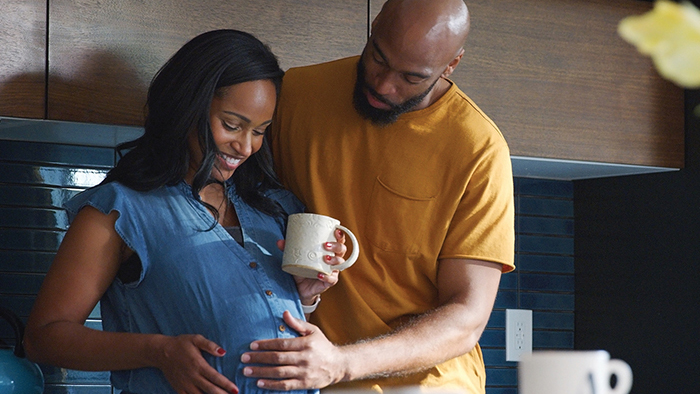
(281, 385)
(279, 372)
(275, 359)
(279, 344)
(300, 326)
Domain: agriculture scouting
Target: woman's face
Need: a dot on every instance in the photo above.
(238, 117)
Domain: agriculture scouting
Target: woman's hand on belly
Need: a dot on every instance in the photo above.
(181, 361)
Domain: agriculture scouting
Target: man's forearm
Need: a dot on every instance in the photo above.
(437, 336)
(467, 290)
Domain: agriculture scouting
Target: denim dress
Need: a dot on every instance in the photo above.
(196, 280)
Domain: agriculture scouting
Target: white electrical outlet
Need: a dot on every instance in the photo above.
(518, 333)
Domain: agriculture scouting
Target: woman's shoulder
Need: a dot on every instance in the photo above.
(110, 196)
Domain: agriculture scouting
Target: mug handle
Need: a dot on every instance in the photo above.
(623, 373)
(355, 250)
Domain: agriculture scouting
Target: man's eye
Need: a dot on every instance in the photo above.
(412, 79)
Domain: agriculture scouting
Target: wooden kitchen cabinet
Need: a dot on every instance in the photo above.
(104, 54)
(22, 58)
(561, 84)
(553, 74)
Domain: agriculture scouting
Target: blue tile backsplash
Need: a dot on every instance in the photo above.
(37, 177)
(543, 280)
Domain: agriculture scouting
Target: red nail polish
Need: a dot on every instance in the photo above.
(327, 258)
(221, 351)
(320, 276)
(234, 391)
(328, 245)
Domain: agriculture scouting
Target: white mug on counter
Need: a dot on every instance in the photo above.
(303, 248)
(572, 372)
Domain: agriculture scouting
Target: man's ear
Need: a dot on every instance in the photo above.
(453, 64)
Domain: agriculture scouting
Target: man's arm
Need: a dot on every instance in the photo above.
(467, 290)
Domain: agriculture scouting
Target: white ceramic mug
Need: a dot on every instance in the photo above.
(303, 249)
(572, 372)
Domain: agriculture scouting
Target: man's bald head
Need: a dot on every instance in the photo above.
(414, 46)
(438, 28)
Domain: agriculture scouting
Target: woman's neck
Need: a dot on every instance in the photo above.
(214, 195)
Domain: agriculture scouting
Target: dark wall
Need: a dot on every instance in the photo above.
(637, 248)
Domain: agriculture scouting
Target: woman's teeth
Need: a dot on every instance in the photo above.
(230, 160)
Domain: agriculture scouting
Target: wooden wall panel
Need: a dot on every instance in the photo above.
(22, 58)
(560, 83)
(104, 54)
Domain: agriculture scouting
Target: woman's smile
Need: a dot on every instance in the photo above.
(228, 162)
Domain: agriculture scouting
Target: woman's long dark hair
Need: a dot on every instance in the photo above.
(179, 100)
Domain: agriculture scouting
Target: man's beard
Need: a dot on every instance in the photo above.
(381, 117)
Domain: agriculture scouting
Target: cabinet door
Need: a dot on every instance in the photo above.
(561, 84)
(22, 58)
(104, 54)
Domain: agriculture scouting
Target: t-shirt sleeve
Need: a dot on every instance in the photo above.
(483, 226)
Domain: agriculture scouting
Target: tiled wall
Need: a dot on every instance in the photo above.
(543, 280)
(36, 178)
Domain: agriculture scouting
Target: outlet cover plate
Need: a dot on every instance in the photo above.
(518, 333)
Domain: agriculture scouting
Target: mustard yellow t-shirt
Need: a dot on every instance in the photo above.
(435, 184)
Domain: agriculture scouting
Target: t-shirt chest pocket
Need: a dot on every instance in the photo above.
(397, 220)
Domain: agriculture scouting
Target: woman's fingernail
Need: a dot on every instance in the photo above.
(247, 371)
(320, 275)
(327, 258)
(234, 391)
(221, 351)
(329, 245)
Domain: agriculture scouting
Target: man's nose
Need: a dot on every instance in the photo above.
(385, 83)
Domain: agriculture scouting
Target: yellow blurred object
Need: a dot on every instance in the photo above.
(670, 35)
